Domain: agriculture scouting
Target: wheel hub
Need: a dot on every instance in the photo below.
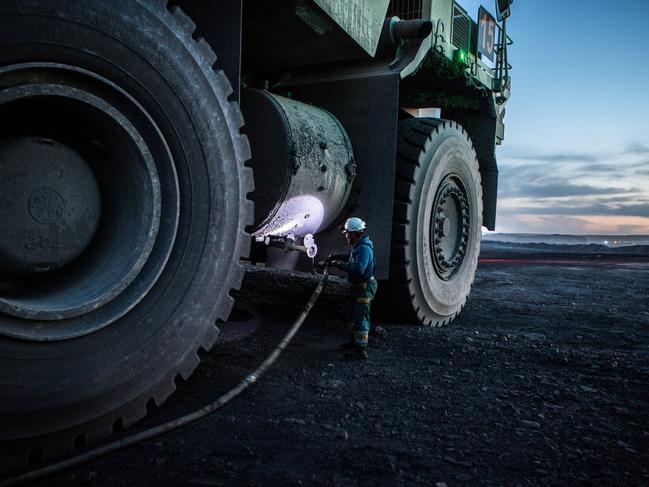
(449, 227)
(52, 200)
(83, 172)
(445, 228)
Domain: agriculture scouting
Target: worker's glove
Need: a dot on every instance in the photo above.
(336, 263)
(338, 257)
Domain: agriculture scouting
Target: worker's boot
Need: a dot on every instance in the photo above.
(356, 353)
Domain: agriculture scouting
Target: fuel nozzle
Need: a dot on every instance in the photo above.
(290, 243)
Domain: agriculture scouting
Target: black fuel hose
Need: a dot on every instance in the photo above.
(247, 381)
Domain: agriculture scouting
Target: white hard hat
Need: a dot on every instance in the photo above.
(354, 224)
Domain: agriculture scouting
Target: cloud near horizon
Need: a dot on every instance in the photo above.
(557, 188)
(523, 153)
(637, 149)
(574, 192)
(550, 224)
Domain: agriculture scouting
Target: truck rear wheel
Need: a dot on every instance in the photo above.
(123, 216)
(437, 221)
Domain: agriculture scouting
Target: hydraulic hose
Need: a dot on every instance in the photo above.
(247, 381)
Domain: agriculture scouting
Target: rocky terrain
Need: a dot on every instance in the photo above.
(542, 380)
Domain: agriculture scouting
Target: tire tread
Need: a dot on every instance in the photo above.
(414, 136)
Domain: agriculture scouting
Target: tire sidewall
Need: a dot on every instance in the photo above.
(449, 153)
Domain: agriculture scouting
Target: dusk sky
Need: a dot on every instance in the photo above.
(576, 153)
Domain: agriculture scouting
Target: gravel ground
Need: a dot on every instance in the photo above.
(543, 379)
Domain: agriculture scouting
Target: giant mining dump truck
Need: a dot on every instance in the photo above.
(147, 148)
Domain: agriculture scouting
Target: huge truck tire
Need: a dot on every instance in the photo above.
(437, 222)
(123, 218)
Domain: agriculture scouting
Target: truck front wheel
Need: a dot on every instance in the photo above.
(123, 206)
(437, 221)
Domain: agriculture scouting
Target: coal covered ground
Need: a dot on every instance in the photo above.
(543, 379)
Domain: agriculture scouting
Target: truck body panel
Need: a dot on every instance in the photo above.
(361, 19)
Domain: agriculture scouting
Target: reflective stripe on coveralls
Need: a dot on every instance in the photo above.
(364, 295)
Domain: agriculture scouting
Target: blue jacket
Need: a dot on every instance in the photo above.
(361, 265)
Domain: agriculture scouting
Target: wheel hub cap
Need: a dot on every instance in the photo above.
(52, 200)
(84, 169)
(450, 227)
(445, 228)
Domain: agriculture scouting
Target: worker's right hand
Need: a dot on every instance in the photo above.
(332, 257)
(336, 263)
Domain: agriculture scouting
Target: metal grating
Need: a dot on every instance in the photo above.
(461, 29)
(406, 9)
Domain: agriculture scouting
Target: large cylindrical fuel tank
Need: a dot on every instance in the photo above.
(303, 164)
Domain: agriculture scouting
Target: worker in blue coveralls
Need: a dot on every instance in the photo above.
(360, 266)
